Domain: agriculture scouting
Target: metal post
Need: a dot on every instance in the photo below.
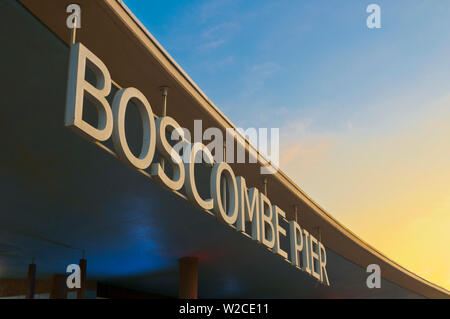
(295, 214)
(164, 91)
(31, 279)
(224, 182)
(59, 287)
(188, 278)
(81, 293)
(73, 35)
(265, 186)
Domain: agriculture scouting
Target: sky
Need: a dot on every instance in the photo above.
(364, 114)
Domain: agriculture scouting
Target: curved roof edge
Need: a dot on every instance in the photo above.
(281, 175)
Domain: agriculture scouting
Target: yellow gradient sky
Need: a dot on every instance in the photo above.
(391, 189)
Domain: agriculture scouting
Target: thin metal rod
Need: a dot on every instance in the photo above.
(295, 214)
(224, 183)
(31, 280)
(81, 293)
(164, 90)
(73, 35)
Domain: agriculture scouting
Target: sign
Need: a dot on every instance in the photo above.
(245, 206)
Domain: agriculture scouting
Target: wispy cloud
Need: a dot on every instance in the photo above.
(257, 75)
(217, 35)
(216, 30)
(214, 65)
(212, 44)
(210, 9)
(301, 148)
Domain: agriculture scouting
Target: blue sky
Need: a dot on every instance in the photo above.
(313, 58)
(364, 115)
